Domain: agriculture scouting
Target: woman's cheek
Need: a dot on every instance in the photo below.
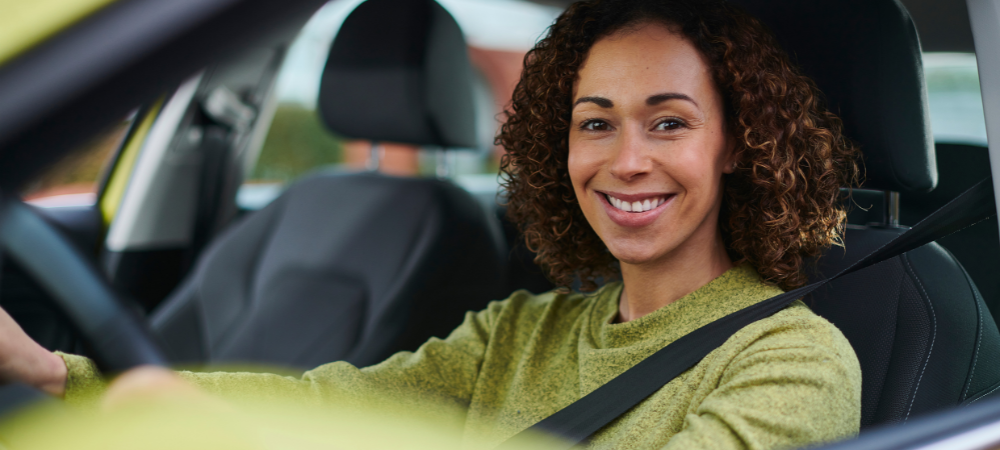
(581, 167)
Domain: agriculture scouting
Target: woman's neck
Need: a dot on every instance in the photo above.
(653, 285)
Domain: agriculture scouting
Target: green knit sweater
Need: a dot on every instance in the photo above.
(785, 381)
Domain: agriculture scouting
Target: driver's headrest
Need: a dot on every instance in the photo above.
(865, 56)
(399, 71)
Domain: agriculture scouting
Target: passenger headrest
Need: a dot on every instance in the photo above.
(399, 71)
(865, 56)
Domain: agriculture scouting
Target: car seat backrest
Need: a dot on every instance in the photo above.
(920, 328)
(917, 322)
(307, 281)
(959, 167)
(355, 267)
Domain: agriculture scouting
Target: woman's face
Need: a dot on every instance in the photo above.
(647, 146)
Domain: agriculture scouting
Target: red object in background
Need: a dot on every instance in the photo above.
(502, 69)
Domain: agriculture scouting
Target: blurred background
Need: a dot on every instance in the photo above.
(499, 33)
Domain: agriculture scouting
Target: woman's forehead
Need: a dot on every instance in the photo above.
(643, 61)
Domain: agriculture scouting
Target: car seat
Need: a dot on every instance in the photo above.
(959, 167)
(922, 333)
(354, 267)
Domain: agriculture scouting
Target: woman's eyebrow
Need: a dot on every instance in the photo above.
(599, 101)
(654, 100)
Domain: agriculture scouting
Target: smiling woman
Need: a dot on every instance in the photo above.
(693, 84)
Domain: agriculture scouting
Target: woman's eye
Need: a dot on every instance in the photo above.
(670, 124)
(595, 125)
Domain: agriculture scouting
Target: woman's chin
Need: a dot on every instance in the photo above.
(634, 257)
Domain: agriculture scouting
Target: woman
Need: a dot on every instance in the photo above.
(670, 144)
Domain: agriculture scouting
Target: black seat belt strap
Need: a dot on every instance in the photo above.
(581, 419)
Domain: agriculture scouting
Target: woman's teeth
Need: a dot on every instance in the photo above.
(636, 206)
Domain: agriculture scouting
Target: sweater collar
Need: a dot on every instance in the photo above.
(732, 291)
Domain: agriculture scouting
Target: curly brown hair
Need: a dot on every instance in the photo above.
(781, 206)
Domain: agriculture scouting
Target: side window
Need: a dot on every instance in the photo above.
(296, 143)
(956, 103)
(76, 179)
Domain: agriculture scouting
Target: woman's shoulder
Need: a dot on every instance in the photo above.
(797, 327)
(794, 326)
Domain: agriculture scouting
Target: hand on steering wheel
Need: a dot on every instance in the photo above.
(118, 338)
(22, 360)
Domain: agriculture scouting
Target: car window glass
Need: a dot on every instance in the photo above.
(499, 32)
(954, 98)
(76, 178)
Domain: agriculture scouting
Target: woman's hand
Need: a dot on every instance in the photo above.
(150, 384)
(23, 360)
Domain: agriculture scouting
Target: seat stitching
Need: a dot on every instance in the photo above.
(933, 335)
(984, 395)
(979, 340)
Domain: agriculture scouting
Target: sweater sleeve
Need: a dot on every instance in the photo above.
(795, 385)
(441, 372)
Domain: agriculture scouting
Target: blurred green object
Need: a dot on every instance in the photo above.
(23, 24)
(296, 143)
(192, 424)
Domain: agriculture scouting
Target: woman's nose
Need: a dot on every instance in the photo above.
(632, 156)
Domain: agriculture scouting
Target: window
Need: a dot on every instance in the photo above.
(955, 102)
(296, 143)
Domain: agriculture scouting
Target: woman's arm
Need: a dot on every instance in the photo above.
(440, 371)
(791, 387)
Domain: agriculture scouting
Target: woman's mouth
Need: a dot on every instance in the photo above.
(633, 211)
(637, 206)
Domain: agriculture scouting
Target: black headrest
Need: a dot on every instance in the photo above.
(865, 56)
(399, 71)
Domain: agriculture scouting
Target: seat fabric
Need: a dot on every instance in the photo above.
(924, 341)
(340, 267)
(959, 167)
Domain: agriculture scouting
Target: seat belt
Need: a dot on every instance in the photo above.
(581, 419)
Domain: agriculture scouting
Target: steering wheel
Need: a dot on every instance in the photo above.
(119, 339)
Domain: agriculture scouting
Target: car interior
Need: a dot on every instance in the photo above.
(403, 257)
(358, 266)
(896, 313)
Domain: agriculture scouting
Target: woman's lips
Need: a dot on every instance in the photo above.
(619, 207)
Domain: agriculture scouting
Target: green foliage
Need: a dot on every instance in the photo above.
(952, 79)
(297, 143)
